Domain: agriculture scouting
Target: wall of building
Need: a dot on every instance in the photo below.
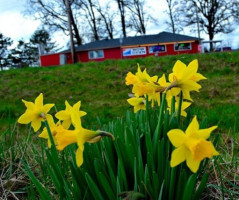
(169, 51)
(115, 53)
(50, 60)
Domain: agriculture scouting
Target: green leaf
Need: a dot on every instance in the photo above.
(189, 187)
(42, 191)
(95, 191)
(201, 187)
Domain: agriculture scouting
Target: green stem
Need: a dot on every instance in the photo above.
(147, 112)
(50, 134)
(173, 105)
(157, 133)
(180, 105)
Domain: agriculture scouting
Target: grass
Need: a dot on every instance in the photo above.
(102, 91)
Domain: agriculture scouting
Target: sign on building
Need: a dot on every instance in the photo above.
(134, 51)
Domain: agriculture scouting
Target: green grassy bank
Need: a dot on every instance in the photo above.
(101, 87)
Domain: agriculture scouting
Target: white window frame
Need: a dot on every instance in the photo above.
(95, 53)
(165, 47)
(183, 49)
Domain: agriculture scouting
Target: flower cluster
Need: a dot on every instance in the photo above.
(60, 131)
(183, 78)
(191, 146)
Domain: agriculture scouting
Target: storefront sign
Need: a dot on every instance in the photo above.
(134, 51)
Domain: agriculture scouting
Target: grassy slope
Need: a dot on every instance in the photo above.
(101, 88)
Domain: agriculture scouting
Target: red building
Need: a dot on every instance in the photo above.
(161, 44)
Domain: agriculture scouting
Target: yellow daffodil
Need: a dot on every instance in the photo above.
(80, 136)
(141, 89)
(185, 78)
(142, 83)
(131, 79)
(55, 128)
(139, 103)
(192, 145)
(185, 105)
(65, 115)
(144, 76)
(36, 113)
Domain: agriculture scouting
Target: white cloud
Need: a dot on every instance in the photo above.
(16, 26)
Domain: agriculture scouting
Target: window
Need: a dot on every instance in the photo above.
(182, 46)
(96, 54)
(157, 48)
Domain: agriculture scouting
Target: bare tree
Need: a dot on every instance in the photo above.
(122, 10)
(213, 16)
(138, 16)
(235, 10)
(54, 14)
(107, 18)
(91, 15)
(174, 21)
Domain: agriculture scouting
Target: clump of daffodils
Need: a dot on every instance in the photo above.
(191, 146)
(62, 135)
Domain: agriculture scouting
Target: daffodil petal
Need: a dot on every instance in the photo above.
(193, 66)
(183, 113)
(65, 137)
(77, 105)
(178, 156)
(162, 81)
(26, 118)
(50, 119)
(192, 128)
(197, 77)
(39, 101)
(47, 107)
(75, 118)
(79, 156)
(28, 104)
(191, 163)
(82, 113)
(205, 133)
(62, 115)
(176, 137)
(68, 106)
(179, 68)
(44, 134)
(66, 123)
(186, 95)
(190, 86)
(36, 124)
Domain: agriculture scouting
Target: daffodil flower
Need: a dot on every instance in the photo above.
(80, 135)
(55, 128)
(36, 113)
(139, 103)
(65, 115)
(130, 79)
(185, 78)
(185, 105)
(191, 146)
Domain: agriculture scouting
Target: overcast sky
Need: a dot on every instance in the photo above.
(15, 25)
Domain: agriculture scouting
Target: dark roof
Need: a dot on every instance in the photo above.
(163, 37)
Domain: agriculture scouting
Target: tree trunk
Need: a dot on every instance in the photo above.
(75, 29)
(211, 36)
